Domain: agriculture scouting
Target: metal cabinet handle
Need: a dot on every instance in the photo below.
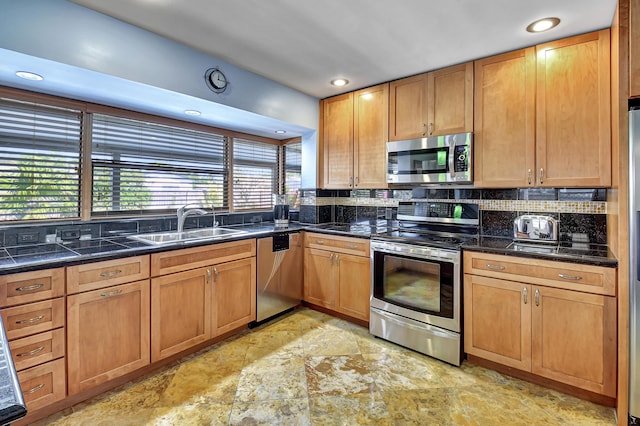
(208, 275)
(215, 274)
(496, 267)
(537, 297)
(33, 352)
(111, 273)
(30, 320)
(356, 181)
(541, 174)
(524, 295)
(30, 287)
(352, 246)
(34, 390)
(350, 181)
(331, 258)
(570, 277)
(430, 129)
(529, 176)
(111, 293)
(321, 242)
(336, 258)
(424, 129)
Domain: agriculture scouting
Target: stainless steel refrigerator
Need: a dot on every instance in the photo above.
(634, 263)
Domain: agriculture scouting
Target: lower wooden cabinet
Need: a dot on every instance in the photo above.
(37, 349)
(180, 311)
(43, 384)
(564, 335)
(234, 295)
(107, 334)
(334, 277)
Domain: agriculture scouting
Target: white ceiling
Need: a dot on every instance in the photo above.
(306, 43)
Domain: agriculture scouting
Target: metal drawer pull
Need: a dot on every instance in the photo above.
(352, 246)
(30, 287)
(497, 267)
(215, 274)
(111, 293)
(208, 275)
(570, 277)
(537, 297)
(34, 390)
(33, 352)
(319, 241)
(331, 258)
(524, 293)
(336, 259)
(111, 273)
(30, 320)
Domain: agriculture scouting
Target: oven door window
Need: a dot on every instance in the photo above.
(416, 284)
(418, 162)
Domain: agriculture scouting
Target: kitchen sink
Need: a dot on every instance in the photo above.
(189, 235)
(533, 247)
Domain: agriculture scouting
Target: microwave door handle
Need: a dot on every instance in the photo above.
(452, 152)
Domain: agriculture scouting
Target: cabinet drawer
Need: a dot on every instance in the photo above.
(37, 349)
(33, 318)
(355, 246)
(573, 276)
(44, 384)
(181, 260)
(31, 286)
(92, 276)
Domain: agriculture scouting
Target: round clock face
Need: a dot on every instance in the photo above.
(216, 80)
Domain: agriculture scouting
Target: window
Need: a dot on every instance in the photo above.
(292, 154)
(148, 167)
(255, 174)
(39, 161)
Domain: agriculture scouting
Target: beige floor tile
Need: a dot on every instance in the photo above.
(281, 412)
(359, 409)
(277, 344)
(338, 375)
(326, 342)
(272, 378)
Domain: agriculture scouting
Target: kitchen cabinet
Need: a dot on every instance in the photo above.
(431, 104)
(553, 319)
(354, 137)
(108, 306)
(33, 313)
(337, 274)
(199, 293)
(560, 138)
(634, 49)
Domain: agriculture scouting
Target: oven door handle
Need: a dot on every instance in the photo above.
(404, 323)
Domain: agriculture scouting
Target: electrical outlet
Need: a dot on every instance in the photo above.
(31, 237)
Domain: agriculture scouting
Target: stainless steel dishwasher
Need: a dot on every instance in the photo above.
(279, 280)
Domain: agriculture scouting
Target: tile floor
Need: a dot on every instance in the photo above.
(313, 369)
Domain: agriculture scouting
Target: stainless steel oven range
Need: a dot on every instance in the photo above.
(416, 278)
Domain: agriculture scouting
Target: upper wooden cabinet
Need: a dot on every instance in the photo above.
(431, 104)
(634, 49)
(354, 136)
(547, 110)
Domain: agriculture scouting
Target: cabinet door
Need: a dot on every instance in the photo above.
(234, 295)
(180, 312)
(574, 338)
(450, 100)
(108, 334)
(497, 321)
(337, 141)
(353, 283)
(371, 118)
(43, 384)
(319, 284)
(634, 49)
(408, 108)
(504, 125)
(291, 278)
(574, 112)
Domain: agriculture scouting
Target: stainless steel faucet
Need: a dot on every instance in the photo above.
(183, 213)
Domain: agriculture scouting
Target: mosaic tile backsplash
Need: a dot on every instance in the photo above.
(581, 213)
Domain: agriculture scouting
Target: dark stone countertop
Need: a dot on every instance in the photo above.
(576, 252)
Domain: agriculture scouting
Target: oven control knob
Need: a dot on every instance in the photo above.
(461, 157)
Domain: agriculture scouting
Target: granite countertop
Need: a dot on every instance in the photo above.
(575, 252)
(28, 257)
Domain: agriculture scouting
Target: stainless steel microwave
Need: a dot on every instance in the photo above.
(436, 160)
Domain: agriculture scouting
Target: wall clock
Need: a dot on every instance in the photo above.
(216, 80)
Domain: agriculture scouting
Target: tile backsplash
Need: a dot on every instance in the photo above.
(581, 213)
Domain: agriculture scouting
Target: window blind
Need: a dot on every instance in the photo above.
(255, 174)
(147, 167)
(292, 172)
(39, 161)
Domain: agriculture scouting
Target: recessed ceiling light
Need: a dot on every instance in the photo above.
(280, 132)
(339, 82)
(192, 112)
(542, 25)
(29, 75)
